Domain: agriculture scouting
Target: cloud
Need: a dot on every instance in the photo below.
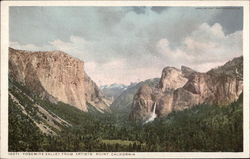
(129, 43)
(159, 9)
(77, 47)
(204, 48)
(230, 19)
(117, 71)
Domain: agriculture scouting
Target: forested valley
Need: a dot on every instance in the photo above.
(205, 128)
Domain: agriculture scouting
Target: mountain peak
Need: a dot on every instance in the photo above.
(171, 78)
(169, 68)
(232, 68)
(40, 54)
(113, 86)
(187, 71)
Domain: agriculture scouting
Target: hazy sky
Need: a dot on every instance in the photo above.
(127, 44)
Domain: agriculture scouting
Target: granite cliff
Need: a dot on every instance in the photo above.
(56, 76)
(183, 88)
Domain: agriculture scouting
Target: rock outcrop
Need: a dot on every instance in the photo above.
(171, 78)
(181, 89)
(56, 76)
(123, 103)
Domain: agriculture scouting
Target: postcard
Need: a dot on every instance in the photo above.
(125, 79)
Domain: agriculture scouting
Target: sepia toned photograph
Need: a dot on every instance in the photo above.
(124, 80)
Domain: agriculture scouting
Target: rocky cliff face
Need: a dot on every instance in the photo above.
(124, 102)
(55, 76)
(171, 78)
(181, 89)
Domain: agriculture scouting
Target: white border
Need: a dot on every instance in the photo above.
(4, 75)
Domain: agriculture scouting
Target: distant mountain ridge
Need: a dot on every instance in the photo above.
(114, 90)
(181, 89)
(114, 85)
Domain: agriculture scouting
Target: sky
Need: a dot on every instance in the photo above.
(131, 44)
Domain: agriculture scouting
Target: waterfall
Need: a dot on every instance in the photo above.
(153, 115)
(154, 109)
